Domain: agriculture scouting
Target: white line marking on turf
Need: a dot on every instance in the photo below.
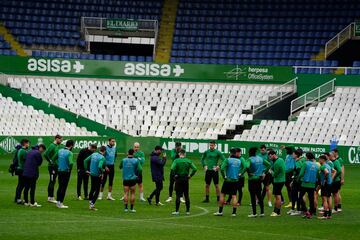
(153, 220)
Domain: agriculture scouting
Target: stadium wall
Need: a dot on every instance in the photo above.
(194, 148)
(144, 71)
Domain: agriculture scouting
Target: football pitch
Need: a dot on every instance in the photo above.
(152, 222)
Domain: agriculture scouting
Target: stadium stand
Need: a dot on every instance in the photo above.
(19, 120)
(54, 23)
(338, 115)
(261, 32)
(162, 109)
(5, 48)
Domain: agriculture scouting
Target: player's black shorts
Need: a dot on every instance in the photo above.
(241, 182)
(211, 175)
(335, 187)
(277, 187)
(288, 177)
(268, 179)
(326, 190)
(229, 188)
(130, 183)
(140, 179)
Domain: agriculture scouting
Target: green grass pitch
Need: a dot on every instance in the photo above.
(152, 222)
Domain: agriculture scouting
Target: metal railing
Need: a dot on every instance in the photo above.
(280, 92)
(315, 95)
(340, 38)
(347, 70)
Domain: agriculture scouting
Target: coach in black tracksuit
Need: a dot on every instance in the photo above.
(82, 177)
(157, 173)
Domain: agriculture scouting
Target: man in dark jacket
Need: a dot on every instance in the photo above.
(157, 173)
(31, 173)
(82, 177)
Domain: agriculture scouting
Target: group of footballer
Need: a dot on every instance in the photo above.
(300, 175)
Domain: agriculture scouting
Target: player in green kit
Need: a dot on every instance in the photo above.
(181, 168)
(231, 169)
(278, 173)
(49, 155)
(95, 167)
(342, 177)
(174, 154)
(141, 157)
(295, 186)
(21, 155)
(336, 184)
(268, 179)
(131, 167)
(210, 160)
(326, 177)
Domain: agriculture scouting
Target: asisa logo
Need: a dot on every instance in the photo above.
(152, 70)
(54, 65)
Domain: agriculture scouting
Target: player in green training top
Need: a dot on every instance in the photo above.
(49, 155)
(21, 155)
(342, 177)
(336, 184)
(174, 154)
(211, 160)
(181, 168)
(268, 179)
(141, 157)
(278, 172)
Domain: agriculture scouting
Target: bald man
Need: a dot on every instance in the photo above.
(141, 158)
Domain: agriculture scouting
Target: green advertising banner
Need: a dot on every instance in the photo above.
(122, 24)
(351, 155)
(8, 143)
(139, 70)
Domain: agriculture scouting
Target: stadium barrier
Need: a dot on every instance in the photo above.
(144, 71)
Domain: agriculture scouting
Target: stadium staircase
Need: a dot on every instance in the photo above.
(167, 28)
(275, 107)
(15, 45)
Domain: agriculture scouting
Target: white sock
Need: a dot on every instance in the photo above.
(109, 194)
(101, 194)
(141, 195)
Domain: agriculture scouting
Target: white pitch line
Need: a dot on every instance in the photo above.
(153, 220)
